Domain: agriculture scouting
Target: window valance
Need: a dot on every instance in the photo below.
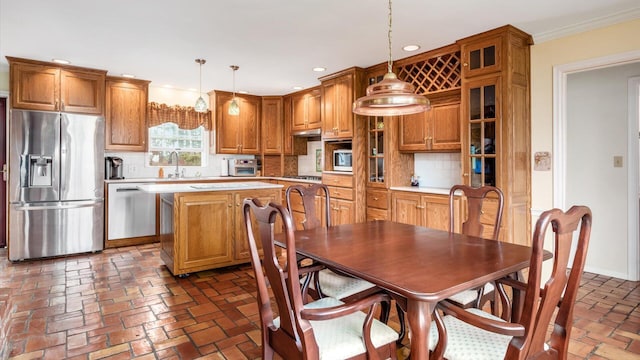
(185, 116)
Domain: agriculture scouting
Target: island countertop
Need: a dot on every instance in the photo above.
(196, 187)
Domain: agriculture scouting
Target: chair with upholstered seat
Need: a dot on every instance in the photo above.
(472, 225)
(474, 334)
(329, 282)
(324, 329)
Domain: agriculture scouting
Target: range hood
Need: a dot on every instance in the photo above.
(307, 133)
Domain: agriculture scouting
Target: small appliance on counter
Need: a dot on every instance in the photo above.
(243, 167)
(113, 168)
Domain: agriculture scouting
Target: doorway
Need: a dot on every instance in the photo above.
(597, 155)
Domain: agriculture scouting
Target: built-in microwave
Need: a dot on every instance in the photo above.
(343, 160)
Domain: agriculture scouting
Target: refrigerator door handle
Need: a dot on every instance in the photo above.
(56, 206)
(4, 172)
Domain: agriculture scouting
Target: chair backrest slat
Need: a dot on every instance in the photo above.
(308, 194)
(475, 198)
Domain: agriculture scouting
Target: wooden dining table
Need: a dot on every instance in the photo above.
(418, 266)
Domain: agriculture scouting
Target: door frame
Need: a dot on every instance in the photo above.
(560, 73)
(5, 207)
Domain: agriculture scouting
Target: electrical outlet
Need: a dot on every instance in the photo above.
(617, 161)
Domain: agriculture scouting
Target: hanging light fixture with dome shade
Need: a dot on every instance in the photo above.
(234, 107)
(391, 96)
(201, 105)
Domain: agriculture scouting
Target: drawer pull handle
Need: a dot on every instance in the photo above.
(375, 198)
(419, 206)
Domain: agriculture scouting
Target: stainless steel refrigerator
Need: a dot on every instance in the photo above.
(56, 184)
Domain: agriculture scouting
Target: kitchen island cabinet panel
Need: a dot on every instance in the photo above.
(205, 230)
(202, 227)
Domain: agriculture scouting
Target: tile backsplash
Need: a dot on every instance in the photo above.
(440, 170)
(135, 165)
(307, 163)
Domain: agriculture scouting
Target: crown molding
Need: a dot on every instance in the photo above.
(595, 23)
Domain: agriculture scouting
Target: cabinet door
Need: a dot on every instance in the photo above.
(250, 125)
(82, 92)
(314, 120)
(482, 56)
(481, 143)
(125, 115)
(413, 132)
(34, 87)
(436, 211)
(227, 126)
(444, 127)
(329, 125)
(344, 105)
(342, 212)
(272, 126)
(241, 241)
(299, 103)
(407, 208)
(205, 230)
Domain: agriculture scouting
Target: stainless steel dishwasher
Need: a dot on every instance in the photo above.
(131, 212)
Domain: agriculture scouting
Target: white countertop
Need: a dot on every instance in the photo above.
(420, 189)
(196, 187)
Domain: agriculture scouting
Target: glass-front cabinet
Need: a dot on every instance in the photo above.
(376, 149)
(480, 162)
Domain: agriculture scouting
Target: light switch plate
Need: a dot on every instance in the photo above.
(617, 161)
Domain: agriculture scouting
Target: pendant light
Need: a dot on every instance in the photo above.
(201, 105)
(234, 108)
(391, 96)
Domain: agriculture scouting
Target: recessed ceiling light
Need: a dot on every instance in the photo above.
(297, 88)
(192, 89)
(130, 76)
(167, 86)
(319, 69)
(411, 47)
(242, 92)
(61, 61)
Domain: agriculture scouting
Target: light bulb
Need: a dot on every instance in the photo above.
(234, 108)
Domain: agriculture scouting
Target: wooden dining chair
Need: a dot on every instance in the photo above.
(326, 282)
(472, 225)
(324, 329)
(474, 334)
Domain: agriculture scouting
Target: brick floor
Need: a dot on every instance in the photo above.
(123, 303)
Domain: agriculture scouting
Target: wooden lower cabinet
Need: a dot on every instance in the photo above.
(342, 212)
(205, 230)
(430, 210)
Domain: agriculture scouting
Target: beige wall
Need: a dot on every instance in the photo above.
(602, 42)
(4, 78)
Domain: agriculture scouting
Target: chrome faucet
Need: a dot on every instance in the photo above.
(176, 173)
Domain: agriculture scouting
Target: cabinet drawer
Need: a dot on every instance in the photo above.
(340, 193)
(377, 199)
(337, 180)
(377, 214)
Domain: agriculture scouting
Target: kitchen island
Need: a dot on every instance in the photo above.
(201, 224)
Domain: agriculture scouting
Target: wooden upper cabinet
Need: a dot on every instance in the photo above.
(126, 114)
(306, 110)
(37, 85)
(237, 134)
(272, 125)
(338, 93)
(482, 56)
(436, 130)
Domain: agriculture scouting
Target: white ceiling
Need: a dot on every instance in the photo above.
(276, 43)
